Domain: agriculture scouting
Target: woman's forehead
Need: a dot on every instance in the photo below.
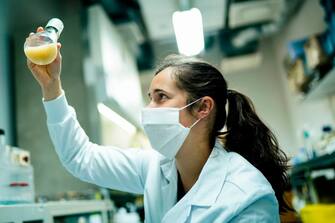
(164, 80)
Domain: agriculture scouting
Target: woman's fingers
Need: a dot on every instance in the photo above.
(40, 29)
(59, 57)
(30, 65)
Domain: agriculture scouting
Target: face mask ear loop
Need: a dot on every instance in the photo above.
(190, 104)
(195, 123)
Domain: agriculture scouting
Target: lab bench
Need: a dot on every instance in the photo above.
(58, 211)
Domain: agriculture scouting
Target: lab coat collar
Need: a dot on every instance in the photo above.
(211, 178)
(168, 168)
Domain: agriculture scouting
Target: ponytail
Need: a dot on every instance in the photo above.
(248, 136)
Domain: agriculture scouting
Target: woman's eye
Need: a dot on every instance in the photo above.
(162, 96)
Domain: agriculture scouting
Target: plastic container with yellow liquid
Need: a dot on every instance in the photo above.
(318, 213)
(41, 48)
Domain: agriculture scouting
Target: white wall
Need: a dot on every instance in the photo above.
(284, 112)
(264, 87)
(308, 21)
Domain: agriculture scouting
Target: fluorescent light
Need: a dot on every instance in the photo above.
(116, 118)
(189, 32)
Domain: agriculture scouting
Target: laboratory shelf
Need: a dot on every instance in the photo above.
(318, 163)
(324, 87)
(49, 211)
(312, 180)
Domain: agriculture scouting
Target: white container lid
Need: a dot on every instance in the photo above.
(57, 24)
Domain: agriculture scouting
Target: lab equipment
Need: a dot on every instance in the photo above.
(41, 47)
(16, 174)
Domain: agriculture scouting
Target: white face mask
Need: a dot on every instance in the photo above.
(162, 126)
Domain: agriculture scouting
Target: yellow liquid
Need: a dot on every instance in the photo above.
(42, 55)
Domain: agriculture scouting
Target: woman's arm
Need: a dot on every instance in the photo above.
(104, 166)
(120, 169)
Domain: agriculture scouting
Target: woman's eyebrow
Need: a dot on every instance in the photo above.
(156, 91)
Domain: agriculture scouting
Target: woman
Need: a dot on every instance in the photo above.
(195, 172)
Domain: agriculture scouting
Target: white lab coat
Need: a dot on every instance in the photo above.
(229, 188)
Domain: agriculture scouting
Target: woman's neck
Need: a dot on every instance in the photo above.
(191, 158)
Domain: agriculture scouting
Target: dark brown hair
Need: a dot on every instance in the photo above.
(246, 134)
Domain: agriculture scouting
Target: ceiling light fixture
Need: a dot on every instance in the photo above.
(189, 32)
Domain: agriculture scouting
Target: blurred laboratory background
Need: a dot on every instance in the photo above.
(278, 52)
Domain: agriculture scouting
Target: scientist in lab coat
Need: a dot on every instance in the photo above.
(195, 172)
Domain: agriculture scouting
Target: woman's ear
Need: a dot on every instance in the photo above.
(206, 106)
